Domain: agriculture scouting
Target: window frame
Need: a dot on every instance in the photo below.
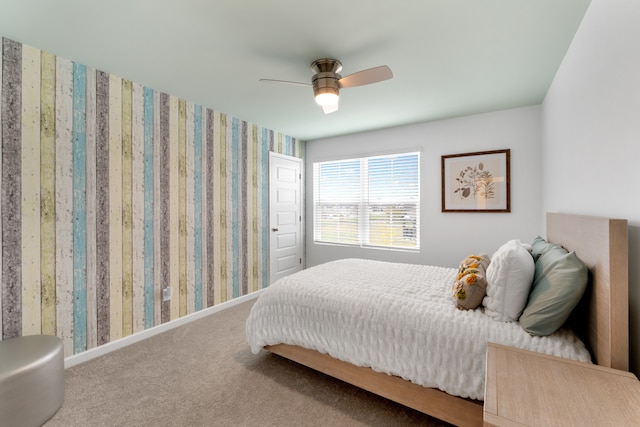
(363, 205)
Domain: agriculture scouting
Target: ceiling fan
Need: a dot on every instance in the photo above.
(327, 82)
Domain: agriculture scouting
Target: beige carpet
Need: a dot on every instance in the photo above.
(203, 374)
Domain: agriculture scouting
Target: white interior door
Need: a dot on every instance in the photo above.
(285, 215)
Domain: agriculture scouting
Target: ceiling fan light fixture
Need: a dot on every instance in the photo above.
(326, 91)
(327, 98)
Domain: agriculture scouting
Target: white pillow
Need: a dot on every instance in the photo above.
(509, 280)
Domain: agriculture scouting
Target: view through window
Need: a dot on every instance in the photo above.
(370, 201)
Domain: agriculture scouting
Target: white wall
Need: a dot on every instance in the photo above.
(591, 132)
(446, 238)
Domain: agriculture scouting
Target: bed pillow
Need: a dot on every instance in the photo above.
(509, 279)
(540, 246)
(470, 283)
(559, 283)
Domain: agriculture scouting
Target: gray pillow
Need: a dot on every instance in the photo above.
(559, 282)
(540, 246)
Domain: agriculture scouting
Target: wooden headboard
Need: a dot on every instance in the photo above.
(602, 244)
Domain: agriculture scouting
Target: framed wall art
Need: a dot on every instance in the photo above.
(476, 182)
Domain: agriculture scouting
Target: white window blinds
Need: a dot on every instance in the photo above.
(371, 201)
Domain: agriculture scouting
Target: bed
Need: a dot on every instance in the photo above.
(599, 242)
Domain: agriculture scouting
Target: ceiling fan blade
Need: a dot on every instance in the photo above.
(285, 81)
(365, 77)
(328, 109)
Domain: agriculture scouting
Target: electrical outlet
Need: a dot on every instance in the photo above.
(166, 294)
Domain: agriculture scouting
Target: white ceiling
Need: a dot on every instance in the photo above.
(449, 57)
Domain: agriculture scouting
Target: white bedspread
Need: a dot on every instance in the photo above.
(395, 318)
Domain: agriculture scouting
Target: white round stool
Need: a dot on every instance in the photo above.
(31, 379)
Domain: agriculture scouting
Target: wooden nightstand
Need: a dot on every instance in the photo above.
(533, 389)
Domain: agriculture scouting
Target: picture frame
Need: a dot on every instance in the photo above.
(476, 182)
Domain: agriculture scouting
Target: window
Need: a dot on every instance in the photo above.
(368, 202)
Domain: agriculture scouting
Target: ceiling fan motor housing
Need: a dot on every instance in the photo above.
(326, 78)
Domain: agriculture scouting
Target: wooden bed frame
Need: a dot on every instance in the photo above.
(601, 243)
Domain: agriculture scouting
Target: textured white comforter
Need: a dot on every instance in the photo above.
(395, 318)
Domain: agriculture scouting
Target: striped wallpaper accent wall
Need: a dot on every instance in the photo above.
(112, 191)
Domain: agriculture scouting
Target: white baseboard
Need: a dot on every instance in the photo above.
(139, 336)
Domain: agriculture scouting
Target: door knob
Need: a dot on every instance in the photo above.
(274, 229)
